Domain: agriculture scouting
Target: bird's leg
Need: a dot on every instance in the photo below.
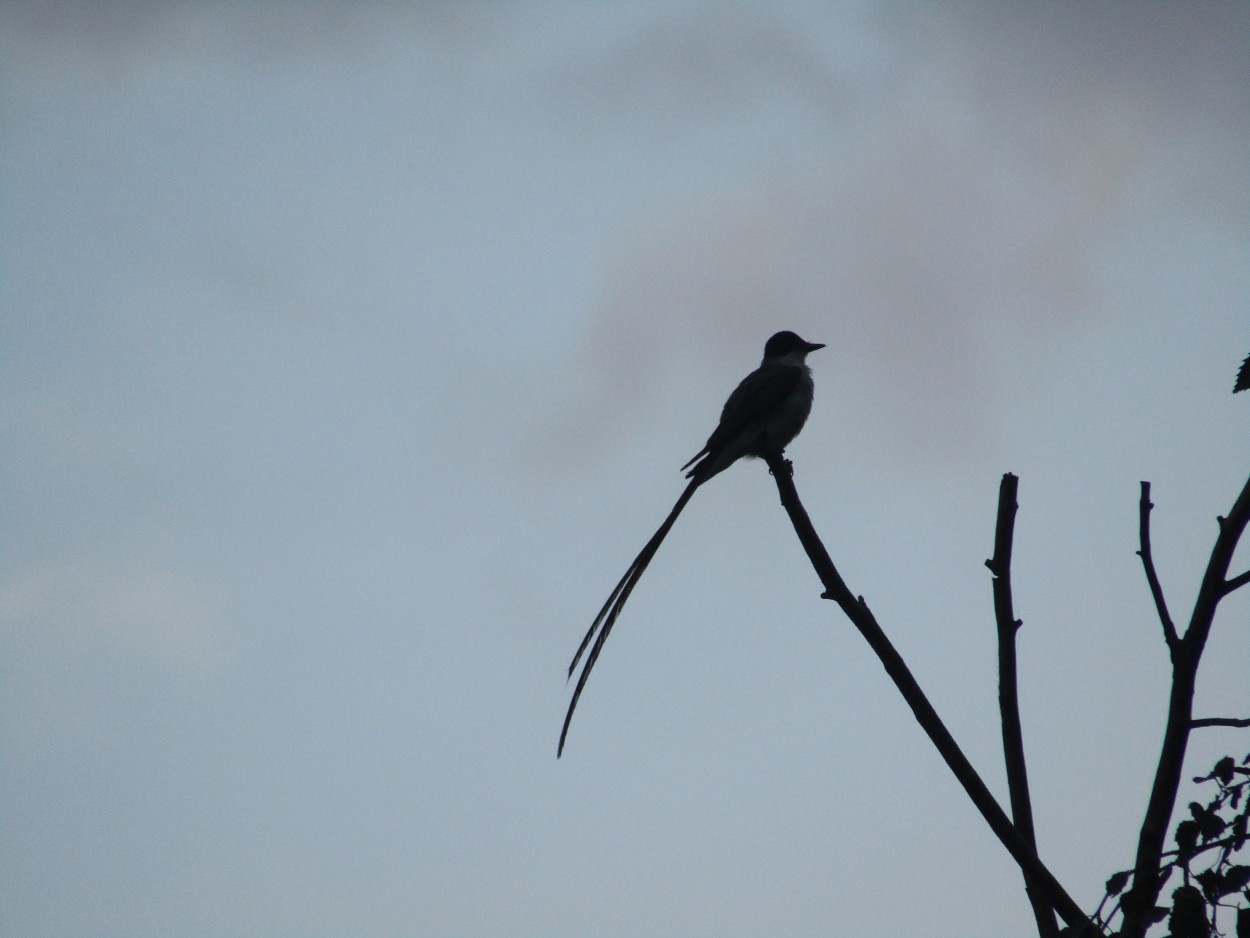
(776, 460)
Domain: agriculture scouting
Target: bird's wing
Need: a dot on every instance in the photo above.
(761, 391)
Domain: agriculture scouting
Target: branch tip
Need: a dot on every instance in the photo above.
(1170, 637)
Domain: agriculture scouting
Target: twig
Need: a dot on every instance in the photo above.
(862, 618)
(1237, 582)
(1147, 559)
(1218, 721)
(1008, 698)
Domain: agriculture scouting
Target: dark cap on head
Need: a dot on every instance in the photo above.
(786, 342)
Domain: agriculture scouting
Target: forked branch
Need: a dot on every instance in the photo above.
(1139, 903)
(861, 617)
(1237, 582)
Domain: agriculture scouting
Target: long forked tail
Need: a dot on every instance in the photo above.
(616, 602)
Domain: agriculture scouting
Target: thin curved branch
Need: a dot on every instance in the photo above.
(1147, 559)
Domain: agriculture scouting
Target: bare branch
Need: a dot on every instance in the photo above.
(1218, 721)
(1147, 559)
(1236, 582)
(1008, 699)
(862, 618)
(1138, 903)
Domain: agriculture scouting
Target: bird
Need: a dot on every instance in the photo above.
(763, 414)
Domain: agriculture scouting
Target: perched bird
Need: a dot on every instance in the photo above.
(763, 414)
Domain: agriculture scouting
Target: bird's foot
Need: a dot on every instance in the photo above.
(777, 462)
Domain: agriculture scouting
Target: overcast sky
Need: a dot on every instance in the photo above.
(348, 355)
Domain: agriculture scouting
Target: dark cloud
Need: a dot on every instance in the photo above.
(1061, 82)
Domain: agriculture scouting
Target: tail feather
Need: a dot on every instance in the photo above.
(630, 574)
(694, 459)
(612, 608)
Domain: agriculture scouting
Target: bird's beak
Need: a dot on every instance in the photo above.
(812, 346)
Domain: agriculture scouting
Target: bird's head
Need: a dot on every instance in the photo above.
(788, 345)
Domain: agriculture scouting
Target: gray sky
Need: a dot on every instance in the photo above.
(348, 355)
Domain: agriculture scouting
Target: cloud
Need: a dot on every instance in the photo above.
(956, 213)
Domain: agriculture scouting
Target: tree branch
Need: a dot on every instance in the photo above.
(1147, 559)
(862, 618)
(1237, 582)
(1139, 902)
(1218, 721)
(1008, 699)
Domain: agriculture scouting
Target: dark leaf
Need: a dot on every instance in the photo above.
(1212, 826)
(1186, 838)
(1224, 770)
(1212, 884)
(1207, 822)
(1116, 884)
(1239, 832)
(1236, 877)
(1189, 914)
(1243, 923)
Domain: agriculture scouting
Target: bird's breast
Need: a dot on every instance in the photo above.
(790, 416)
